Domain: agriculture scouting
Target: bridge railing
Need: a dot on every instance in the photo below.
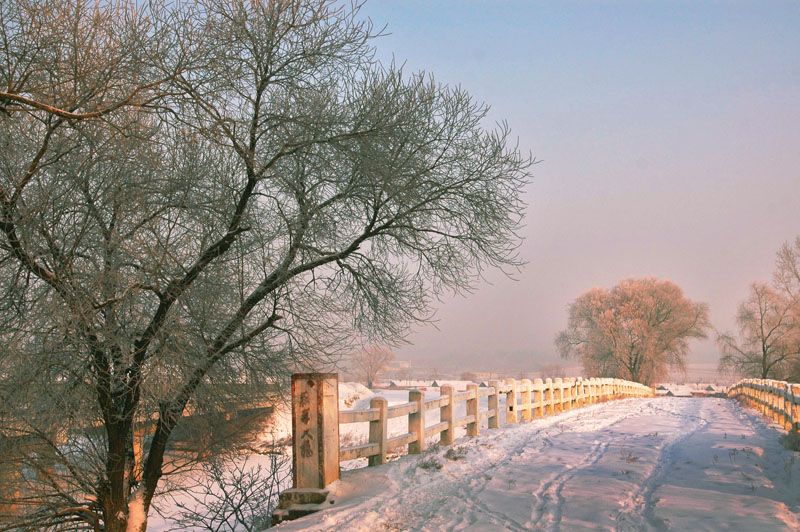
(778, 400)
(315, 417)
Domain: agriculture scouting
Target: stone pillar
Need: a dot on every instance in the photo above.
(315, 429)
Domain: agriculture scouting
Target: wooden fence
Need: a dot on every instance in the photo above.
(778, 400)
(315, 416)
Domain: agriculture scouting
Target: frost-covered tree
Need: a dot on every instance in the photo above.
(637, 330)
(198, 197)
(787, 279)
(370, 361)
(768, 345)
(769, 336)
(787, 270)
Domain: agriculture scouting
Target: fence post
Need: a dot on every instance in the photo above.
(548, 390)
(416, 421)
(569, 397)
(446, 416)
(760, 398)
(765, 400)
(494, 405)
(538, 398)
(378, 430)
(558, 385)
(796, 407)
(511, 402)
(474, 428)
(786, 407)
(773, 402)
(526, 407)
(315, 429)
(776, 402)
(780, 389)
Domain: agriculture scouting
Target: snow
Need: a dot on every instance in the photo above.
(406, 383)
(136, 514)
(637, 464)
(687, 390)
(352, 395)
(277, 432)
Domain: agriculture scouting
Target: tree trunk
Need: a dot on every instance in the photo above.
(115, 498)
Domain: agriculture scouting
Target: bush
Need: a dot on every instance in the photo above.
(430, 464)
(456, 453)
(791, 441)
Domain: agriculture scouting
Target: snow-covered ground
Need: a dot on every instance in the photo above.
(666, 463)
(196, 493)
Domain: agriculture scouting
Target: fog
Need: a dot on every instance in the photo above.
(668, 135)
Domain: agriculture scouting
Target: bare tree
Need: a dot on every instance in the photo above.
(553, 370)
(469, 376)
(231, 495)
(370, 361)
(768, 345)
(197, 198)
(787, 270)
(769, 336)
(637, 330)
(787, 279)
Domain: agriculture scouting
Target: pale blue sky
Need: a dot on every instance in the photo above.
(670, 140)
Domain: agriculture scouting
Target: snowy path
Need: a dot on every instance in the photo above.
(653, 464)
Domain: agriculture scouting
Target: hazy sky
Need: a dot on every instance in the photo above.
(670, 140)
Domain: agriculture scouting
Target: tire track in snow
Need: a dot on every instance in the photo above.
(639, 511)
(551, 490)
(580, 421)
(528, 442)
(452, 499)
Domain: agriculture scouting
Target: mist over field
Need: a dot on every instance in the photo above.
(668, 138)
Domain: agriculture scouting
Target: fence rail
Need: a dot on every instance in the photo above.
(525, 400)
(316, 418)
(778, 400)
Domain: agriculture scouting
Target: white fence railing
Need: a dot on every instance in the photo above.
(316, 417)
(778, 400)
(525, 400)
